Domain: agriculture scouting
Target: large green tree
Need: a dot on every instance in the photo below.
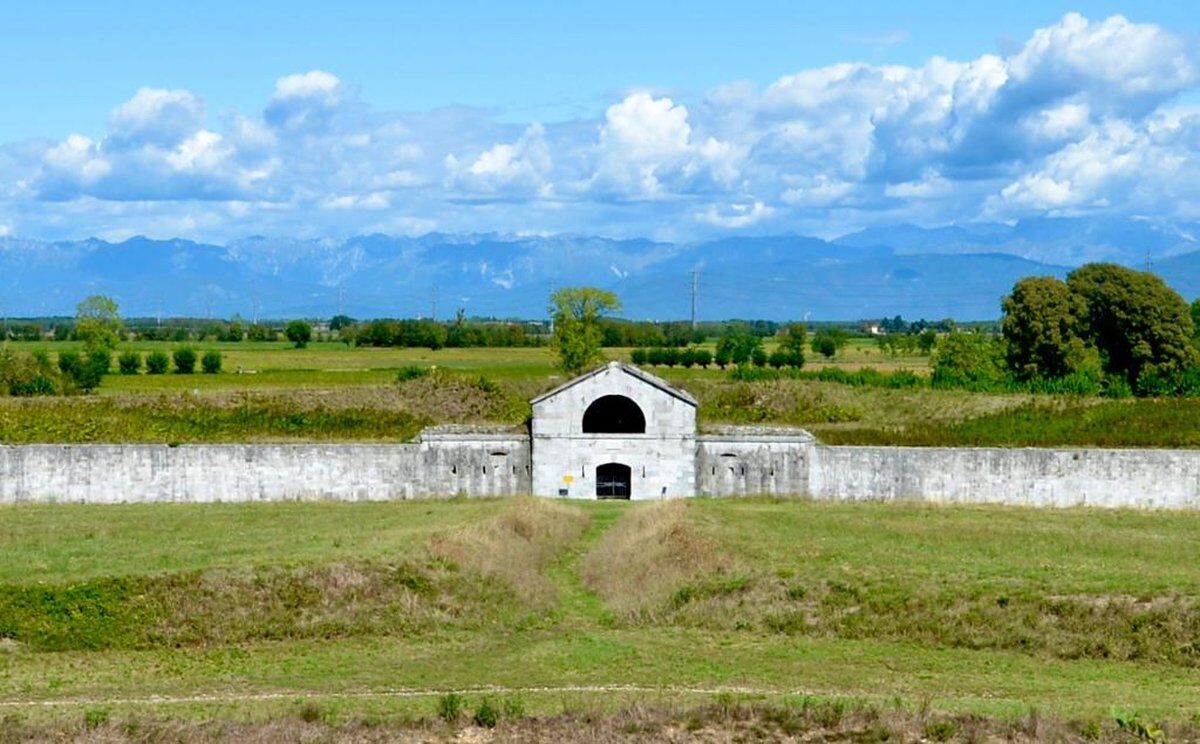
(1041, 329)
(1138, 323)
(98, 322)
(577, 333)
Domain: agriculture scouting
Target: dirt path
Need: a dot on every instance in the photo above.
(394, 693)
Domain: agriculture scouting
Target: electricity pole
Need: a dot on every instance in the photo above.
(695, 290)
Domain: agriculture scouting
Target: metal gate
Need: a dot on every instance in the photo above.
(613, 481)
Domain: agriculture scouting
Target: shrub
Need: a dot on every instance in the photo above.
(450, 707)
(514, 708)
(969, 360)
(95, 717)
(722, 357)
(412, 372)
(941, 730)
(157, 363)
(185, 360)
(759, 357)
(778, 358)
(824, 345)
(69, 362)
(93, 369)
(311, 712)
(299, 333)
(486, 715)
(670, 356)
(638, 356)
(211, 362)
(26, 375)
(703, 357)
(130, 362)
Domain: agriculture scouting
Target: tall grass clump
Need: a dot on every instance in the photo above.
(516, 545)
(650, 555)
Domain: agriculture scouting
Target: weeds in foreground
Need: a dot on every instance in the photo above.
(805, 719)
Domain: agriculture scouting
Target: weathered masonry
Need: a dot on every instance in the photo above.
(615, 432)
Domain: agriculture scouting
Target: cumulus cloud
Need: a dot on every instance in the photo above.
(156, 116)
(1084, 116)
(647, 149)
(521, 167)
(306, 101)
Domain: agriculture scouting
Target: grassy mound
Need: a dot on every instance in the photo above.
(515, 546)
(647, 556)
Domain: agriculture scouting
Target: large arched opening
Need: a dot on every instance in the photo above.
(614, 414)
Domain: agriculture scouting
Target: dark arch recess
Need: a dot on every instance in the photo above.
(613, 414)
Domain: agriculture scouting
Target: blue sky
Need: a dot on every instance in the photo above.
(675, 121)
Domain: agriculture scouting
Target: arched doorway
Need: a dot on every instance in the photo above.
(614, 414)
(613, 481)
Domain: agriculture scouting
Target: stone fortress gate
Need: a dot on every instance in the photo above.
(615, 432)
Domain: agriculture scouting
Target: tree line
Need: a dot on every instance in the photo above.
(1105, 329)
(99, 326)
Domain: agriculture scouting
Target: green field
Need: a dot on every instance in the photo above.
(331, 392)
(375, 611)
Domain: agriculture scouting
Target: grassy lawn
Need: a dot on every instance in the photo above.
(376, 609)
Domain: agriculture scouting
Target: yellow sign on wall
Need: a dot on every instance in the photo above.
(568, 479)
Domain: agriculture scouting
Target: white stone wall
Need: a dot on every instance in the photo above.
(97, 473)
(1030, 477)
(728, 464)
(565, 459)
(754, 462)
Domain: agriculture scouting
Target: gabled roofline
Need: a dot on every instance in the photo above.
(642, 375)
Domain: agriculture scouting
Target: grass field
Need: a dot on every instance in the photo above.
(375, 611)
(331, 392)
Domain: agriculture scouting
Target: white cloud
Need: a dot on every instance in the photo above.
(1066, 121)
(1126, 62)
(1086, 115)
(646, 149)
(818, 191)
(736, 215)
(305, 102)
(157, 116)
(516, 167)
(77, 159)
(372, 201)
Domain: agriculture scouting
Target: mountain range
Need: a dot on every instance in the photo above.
(957, 271)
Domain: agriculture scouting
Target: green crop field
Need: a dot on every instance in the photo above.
(377, 611)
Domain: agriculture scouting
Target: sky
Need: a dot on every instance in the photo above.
(671, 121)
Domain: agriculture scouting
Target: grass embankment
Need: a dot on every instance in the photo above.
(462, 576)
(376, 611)
(397, 412)
(1063, 584)
(923, 417)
